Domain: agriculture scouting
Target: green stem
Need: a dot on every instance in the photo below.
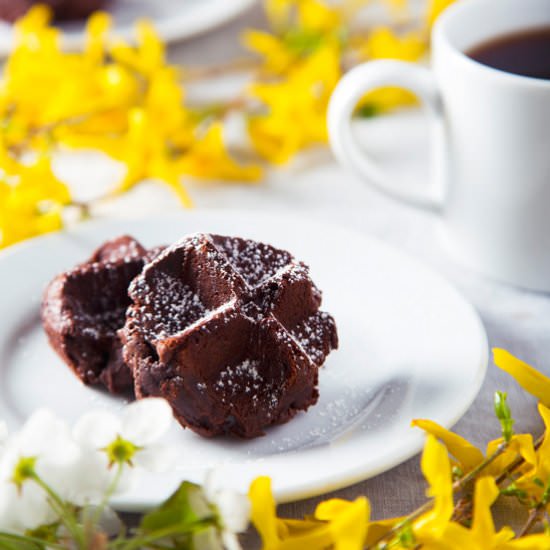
(91, 524)
(532, 520)
(28, 539)
(398, 526)
(471, 475)
(503, 476)
(66, 514)
(83, 207)
(141, 541)
(457, 486)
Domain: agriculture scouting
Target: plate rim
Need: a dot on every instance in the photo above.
(329, 481)
(205, 18)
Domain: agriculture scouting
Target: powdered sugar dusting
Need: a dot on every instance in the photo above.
(312, 335)
(245, 378)
(101, 323)
(169, 308)
(254, 261)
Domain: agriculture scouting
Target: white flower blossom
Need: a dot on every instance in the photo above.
(77, 464)
(46, 441)
(136, 431)
(233, 510)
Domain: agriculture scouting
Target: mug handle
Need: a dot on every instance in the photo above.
(349, 91)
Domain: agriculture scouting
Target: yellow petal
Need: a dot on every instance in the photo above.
(263, 511)
(276, 55)
(436, 468)
(520, 444)
(318, 16)
(451, 537)
(96, 32)
(526, 376)
(467, 454)
(48, 222)
(173, 181)
(348, 521)
(208, 158)
(382, 43)
(279, 534)
(485, 493)
(377, 529)
(35, 19)
(483, 527)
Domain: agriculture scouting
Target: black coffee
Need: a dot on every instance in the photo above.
(525, 53)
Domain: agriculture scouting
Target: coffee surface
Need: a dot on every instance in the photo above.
(525, 53)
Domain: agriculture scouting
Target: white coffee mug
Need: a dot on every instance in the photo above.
(491, 141)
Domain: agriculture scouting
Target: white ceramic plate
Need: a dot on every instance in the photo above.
(173, 19)
(410, 347)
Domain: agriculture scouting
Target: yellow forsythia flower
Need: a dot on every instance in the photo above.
(314, 15)
(383, 43)
(543, 452)
(311, 15)
(348, 521)
(482, 534)
(436, 468)
(32, 204)
(278, 57)
(146, 156)
(277, 534)
(207, 158)
(315, 23)
(337, 523)
(538, 471)
(530, 379)
(122, 99)
(147, 57)
(519, 445)
(435, 530)
(296, 106)
(462, 450)
(468, 456)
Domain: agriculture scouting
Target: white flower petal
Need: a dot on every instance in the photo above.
(44, 433)
(233, 507)
(35, 510)
(8, 460)
(128, 480)
(230, 541)
(234, 510)
(158, 458)
(210, 484)
(32, 508)
(96, 429)
(145, 421)
(86, 481)
(8, 511)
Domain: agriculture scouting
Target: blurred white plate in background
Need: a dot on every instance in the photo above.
(173, 19)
